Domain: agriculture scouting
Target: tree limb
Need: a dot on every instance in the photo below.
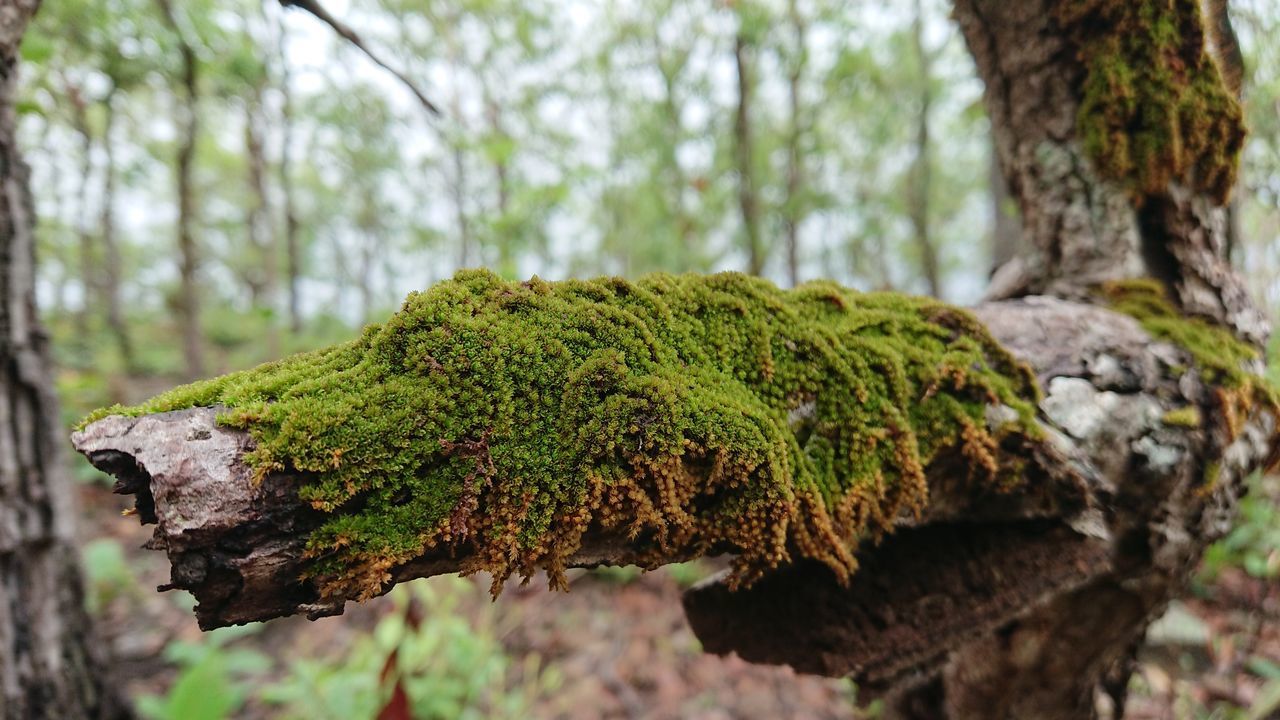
(346, 32)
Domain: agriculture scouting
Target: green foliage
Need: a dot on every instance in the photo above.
(447, 666)
(1254, 544)
(1155, 107)
(107, 573)
(210, 684)
(694, 413)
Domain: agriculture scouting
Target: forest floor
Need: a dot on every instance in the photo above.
(617, 645)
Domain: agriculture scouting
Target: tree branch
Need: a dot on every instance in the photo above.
(345, 31)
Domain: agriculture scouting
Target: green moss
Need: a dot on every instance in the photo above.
(717, 413)
(1223, 360)
(1154, 105)
(1185, 417)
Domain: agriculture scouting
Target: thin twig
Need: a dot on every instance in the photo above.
(315, 8)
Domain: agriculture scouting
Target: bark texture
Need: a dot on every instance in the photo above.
(49, 663)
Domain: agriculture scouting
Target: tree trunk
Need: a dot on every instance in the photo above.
(1006, 226)
(49, 661)
(84, 232)
(188, 303)
(293, 252)
(795, 157)
(112, 271)
(922, 168)
(744, 155)
(262, 234)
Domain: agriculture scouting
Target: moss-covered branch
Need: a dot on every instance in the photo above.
(499, 421)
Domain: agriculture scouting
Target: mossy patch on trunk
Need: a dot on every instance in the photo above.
(502, 420)
(1231, 366)
(1154, 106)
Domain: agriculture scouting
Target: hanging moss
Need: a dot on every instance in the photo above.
(1154, 106)
(501, 420)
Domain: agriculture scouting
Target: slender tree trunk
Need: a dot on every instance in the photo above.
(261, 230)
(795, 156)
(188, 252)
(111, 266)
(922, 168)
(49, 661)
(685, 223)
(744, 154)
(1006, 226)
(293, 253)
(84, 231)
(459, 187)
(502, 179)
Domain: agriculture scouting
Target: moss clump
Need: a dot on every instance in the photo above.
(501, 420)
(1185, 417)
(1154, 105)
(1224, 361)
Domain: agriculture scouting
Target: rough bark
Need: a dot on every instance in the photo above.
(49, 663)
(1081, 229)
(1084, 603)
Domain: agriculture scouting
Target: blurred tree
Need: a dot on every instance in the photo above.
(187, 119)
(50, 665)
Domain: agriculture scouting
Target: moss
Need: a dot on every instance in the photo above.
(501, 420)
(1223, 360)
(1154, 106)
(1184, 417)
(1221, 357)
